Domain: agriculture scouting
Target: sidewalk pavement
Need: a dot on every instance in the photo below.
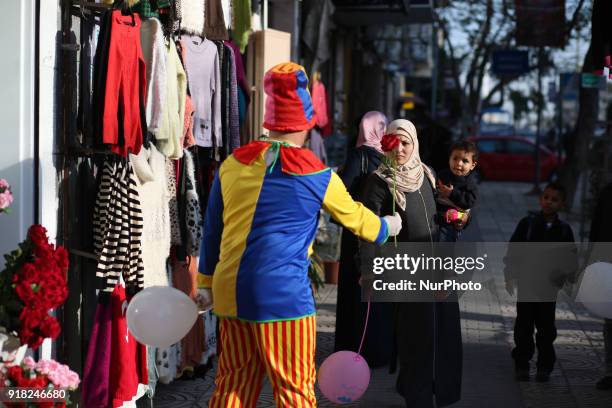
(487, 322)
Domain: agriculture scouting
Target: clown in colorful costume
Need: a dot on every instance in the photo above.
(259, 226)
(256, 255)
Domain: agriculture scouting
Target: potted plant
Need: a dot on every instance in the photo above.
(315, 273)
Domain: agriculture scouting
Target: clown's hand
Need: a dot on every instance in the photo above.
(204, 299)
(394, 222)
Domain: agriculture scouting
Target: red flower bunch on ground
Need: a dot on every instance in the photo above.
(33, 283)
(389, 142)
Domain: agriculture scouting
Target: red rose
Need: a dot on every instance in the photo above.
(38, 235)
(15, 374)
(28, 272)
(24, 291)
(389, 142)
(43, 251)
(50, 327)
(32, 317)
(61, 258)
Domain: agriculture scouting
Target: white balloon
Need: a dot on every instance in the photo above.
(595, 291)
(161, 316)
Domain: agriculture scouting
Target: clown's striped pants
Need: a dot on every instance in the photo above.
(282, 350)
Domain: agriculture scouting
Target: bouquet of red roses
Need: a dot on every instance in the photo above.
(32, 284)
(46, 380)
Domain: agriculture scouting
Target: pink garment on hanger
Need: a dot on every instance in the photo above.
(319, 103)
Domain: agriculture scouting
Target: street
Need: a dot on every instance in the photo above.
(487, 322)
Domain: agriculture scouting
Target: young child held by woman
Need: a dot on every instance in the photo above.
(457, 189)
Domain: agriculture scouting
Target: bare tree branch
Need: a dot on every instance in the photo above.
(574, 20)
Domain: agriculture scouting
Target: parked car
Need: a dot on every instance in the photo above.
(511, 158)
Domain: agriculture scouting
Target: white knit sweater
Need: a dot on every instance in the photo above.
(173, 111)
(155, 56)
(150, 169)
(192, 20)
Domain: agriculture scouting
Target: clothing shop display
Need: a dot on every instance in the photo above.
(150, 169)
(202, 66)
(192, 208)
(96, 372)
(173, 118)
(240, 72)
(100, 69)
(188, 140)
(241, 14)
(124, 124)
(154, 52)
(214, 22)
(167, 364)
(234, 115)
(321, 111)
(184, 278)
(128, 367)
(118, 219)
(224, 71)
(151, 8)
(175, 230)
(193, 16)
(158, 110)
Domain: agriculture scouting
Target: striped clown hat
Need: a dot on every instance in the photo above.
(288, 106)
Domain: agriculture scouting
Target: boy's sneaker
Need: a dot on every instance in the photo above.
(605, 383)
(543, 375)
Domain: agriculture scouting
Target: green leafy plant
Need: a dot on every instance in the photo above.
(315, 271)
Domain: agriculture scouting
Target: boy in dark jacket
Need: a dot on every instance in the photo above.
(539, 271)
(457, 189)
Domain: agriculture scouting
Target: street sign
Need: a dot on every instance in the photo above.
(593, 81)
(510, 62)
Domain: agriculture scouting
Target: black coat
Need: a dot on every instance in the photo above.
(350, 311)
(427, 335)
(541, 269)
(465, 188)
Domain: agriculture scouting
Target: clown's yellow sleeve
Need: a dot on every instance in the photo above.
(353, 215)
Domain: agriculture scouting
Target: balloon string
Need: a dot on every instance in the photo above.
(365, 327)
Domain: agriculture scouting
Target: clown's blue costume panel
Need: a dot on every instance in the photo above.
(259, 227)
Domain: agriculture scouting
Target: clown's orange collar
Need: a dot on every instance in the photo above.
(296, 161)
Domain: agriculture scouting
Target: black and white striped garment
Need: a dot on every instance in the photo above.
(118, 227)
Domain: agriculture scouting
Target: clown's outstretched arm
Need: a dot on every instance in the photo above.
(356, 217)
(211, 239)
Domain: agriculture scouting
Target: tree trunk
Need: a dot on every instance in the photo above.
(578, 149)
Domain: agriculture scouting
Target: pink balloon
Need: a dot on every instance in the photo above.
(344, 377)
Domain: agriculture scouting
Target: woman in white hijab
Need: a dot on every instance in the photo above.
(427, 334)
